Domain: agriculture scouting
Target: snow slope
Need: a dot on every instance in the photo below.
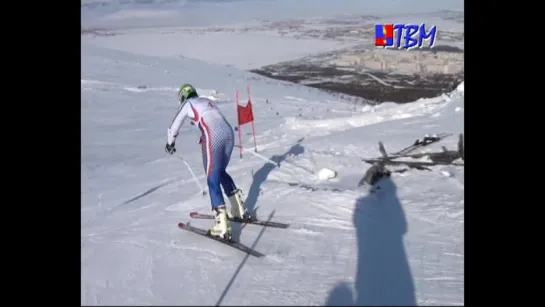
(403, 245)
(245, 50)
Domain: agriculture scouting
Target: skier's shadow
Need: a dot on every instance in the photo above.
(259, 177)
(383, 275)
(341, 295)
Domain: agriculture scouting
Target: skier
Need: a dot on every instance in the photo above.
(217, 141)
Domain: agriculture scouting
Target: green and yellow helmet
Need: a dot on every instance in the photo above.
(186, 91)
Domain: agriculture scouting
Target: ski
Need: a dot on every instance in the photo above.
(237, 245)
(445, 157)
(427, 140)
(413, 163)
(197, 215)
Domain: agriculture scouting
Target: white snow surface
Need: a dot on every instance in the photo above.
(403, 245)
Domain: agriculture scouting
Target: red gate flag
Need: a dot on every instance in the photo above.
(245, 115)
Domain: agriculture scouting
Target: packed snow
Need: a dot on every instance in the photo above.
(403, 245)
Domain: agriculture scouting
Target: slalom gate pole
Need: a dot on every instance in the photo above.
(238, 123)
(253, 126)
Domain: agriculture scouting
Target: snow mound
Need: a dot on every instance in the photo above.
(460, 87)
(326, 174)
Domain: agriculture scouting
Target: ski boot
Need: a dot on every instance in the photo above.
(222, 226)
(238, 211)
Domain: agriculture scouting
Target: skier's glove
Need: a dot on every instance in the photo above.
(170, 148)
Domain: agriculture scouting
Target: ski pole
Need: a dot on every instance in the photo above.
(193, 174)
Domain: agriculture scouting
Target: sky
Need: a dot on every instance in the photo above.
(147, 13)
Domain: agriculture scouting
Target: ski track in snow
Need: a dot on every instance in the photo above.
(402, 245)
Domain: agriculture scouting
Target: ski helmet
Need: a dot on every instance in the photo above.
(186, 91)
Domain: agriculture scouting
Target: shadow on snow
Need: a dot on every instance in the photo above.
(383, 275)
